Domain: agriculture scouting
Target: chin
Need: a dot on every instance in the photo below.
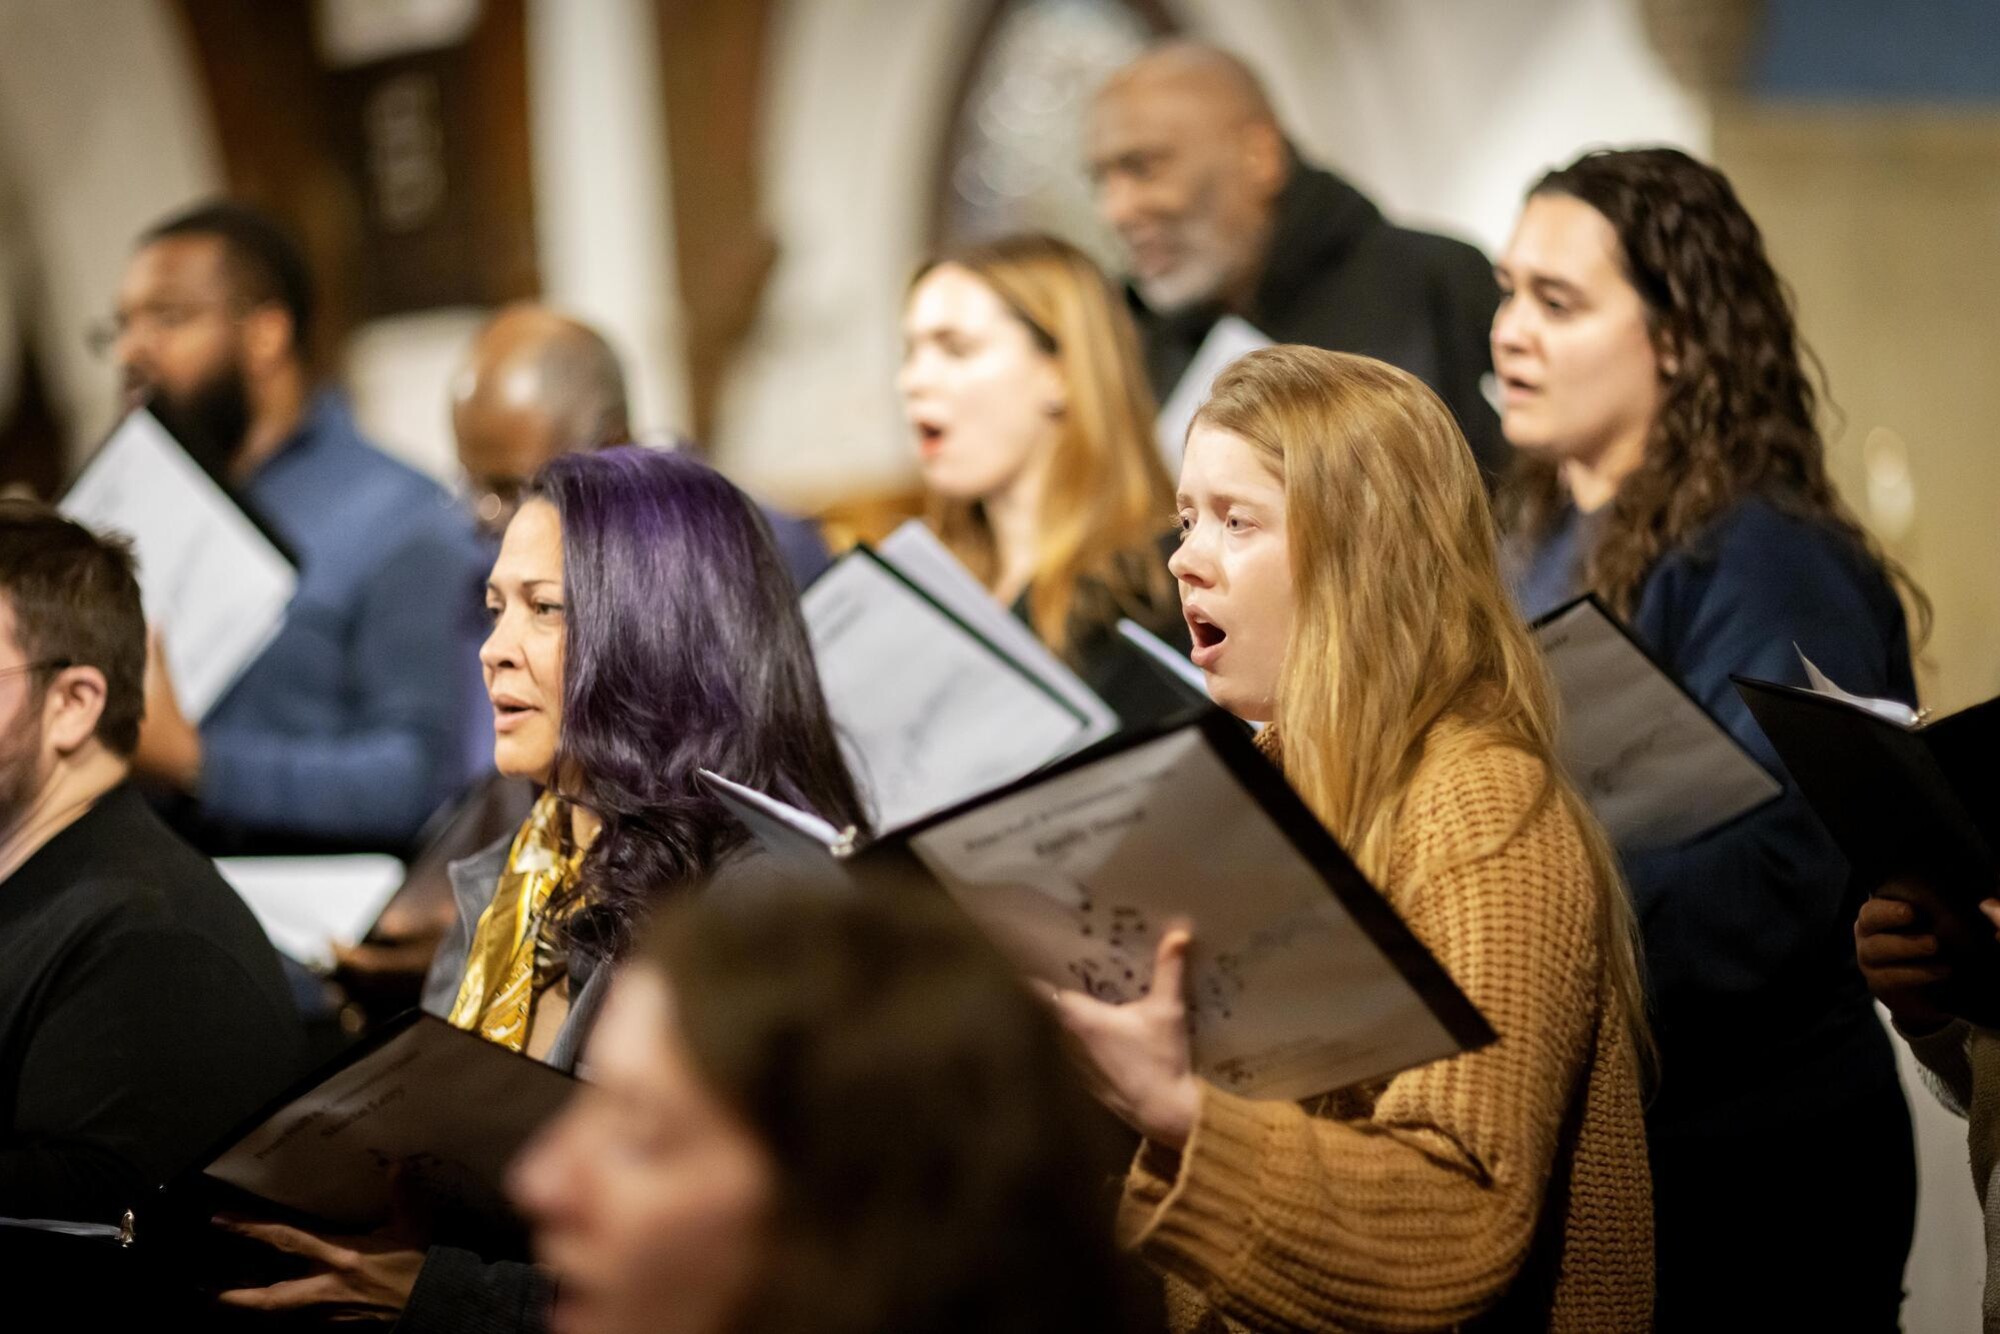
(1529, 439)
(950, 483)
(512, 760)
(1250, 706)
(1172, 293)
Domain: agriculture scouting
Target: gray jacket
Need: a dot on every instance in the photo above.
(473, 881)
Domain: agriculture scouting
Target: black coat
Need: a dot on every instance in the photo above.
(1341, 276)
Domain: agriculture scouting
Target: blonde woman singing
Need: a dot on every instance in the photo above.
(1022, 384)
(1338, 574)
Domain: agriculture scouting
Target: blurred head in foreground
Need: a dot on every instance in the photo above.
(811, 1110)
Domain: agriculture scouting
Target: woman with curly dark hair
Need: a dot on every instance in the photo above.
(1669, 459)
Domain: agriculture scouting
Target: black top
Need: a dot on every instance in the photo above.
(1339, 275)
(1138, 690)
(142, 1014)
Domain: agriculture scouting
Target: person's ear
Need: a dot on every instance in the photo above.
(268, 337)
(1669, 356)
(1266, 160)
(1053, 390)
(72, 708)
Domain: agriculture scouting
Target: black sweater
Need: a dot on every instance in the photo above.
(142, 1014)
(1339, 275)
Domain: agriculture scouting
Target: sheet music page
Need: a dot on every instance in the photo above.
(213, 584)
(1228, 338)
(447, 1106)
(1076, 879)
(916, 552)
(306, 905)
(927, 714)
(1655, 768)
(1893, 710)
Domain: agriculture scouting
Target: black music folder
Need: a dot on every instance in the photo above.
(1899, 793)
(1904, 797)
(419, 1111)
(1302, 978)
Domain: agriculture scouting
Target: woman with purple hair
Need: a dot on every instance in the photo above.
(644, 628)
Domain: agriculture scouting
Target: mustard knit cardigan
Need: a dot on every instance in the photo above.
(1506, 1188)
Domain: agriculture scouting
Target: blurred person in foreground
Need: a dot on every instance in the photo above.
(142, 1011)
(827, 1112)
(1220, 215)
(348, 730)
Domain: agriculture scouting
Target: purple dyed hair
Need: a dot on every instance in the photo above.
(684, 649)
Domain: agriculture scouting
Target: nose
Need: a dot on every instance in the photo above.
(539, 1182)
(1510, 326)
(127, 347)
(913, 376)
(1117, 201)
(1193, 562)
(502, 646)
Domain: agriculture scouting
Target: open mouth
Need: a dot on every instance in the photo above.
(1208, 637)
(930, 437)
(508, 711)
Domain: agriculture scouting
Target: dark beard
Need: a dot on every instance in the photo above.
(20, 764)
(210, 422)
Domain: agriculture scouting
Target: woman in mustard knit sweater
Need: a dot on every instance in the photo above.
(1337, 570)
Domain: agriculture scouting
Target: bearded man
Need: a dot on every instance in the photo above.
(1219, 215)
(353, 725)
(142, 1011)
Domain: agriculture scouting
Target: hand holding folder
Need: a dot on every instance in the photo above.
(420, 1116)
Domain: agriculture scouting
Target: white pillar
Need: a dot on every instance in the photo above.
(603, 202)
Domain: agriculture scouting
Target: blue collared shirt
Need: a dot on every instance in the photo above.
(352, 724)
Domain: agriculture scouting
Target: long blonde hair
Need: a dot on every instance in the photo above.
(1108, 498)
(1400, 620)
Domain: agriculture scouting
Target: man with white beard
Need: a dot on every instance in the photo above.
(1219, 216)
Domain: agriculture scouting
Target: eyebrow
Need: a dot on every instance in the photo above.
(1222, 500)
(1541, 282)
(527, 585)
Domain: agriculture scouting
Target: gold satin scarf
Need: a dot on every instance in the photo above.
(513, 957)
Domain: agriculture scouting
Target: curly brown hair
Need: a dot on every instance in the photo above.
(1738, 413)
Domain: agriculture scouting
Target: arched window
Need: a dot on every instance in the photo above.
(1014, 158)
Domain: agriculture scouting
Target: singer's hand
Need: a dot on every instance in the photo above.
(1136, 1055)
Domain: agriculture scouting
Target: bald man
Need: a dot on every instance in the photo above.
(538, 384)
(1219, 215)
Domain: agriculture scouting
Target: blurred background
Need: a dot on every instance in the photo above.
(737, 191)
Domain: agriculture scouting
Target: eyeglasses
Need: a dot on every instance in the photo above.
(151, 320)
(48, 664)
